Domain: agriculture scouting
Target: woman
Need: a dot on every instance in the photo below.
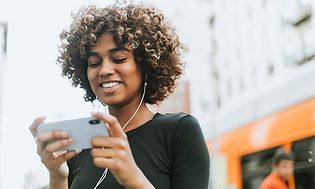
(126, 57)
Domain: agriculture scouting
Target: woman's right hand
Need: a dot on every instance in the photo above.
(48, 152)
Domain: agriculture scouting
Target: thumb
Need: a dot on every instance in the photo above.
(112, 122)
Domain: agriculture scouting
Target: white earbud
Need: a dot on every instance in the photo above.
(145, 81)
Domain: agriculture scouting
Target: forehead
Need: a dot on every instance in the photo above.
(285, 163)
(106, 41)
(106, 46)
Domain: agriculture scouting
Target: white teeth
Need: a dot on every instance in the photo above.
(109, 85)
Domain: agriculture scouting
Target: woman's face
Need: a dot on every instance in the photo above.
(114, 76)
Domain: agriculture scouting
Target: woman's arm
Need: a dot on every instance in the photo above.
(191, 164)
(55, 183)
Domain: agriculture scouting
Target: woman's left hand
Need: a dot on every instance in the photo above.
(114, 153)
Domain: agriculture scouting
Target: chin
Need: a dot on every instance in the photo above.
(113, 103)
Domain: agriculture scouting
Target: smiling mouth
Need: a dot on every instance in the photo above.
(110, 84)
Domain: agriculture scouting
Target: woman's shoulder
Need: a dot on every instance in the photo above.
(176, 120)
(173, 116)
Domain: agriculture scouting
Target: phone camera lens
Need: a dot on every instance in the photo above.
(94, 121)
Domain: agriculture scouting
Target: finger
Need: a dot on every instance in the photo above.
(114, 126)
(35, 124)
(105, 153)
(59, 153)
(54, 135)
(105, 163)
(109, 142)
(44, 139)
(57, 145)
(65, 156)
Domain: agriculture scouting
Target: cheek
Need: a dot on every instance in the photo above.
(133, 73)
(92, 80)
(285, 170)
(90, 76)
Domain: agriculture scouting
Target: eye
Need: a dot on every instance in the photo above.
(94, 64)
(119, 60)
(94, 61)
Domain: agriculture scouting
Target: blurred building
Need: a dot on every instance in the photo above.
(3, 50)
(262, 63)
(257, 47)
(178, 101)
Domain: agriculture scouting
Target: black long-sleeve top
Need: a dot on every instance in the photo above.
(170, 150)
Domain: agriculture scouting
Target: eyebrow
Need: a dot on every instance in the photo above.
(113, 50)
(118, 49)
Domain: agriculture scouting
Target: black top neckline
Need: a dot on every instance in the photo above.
(135, 130)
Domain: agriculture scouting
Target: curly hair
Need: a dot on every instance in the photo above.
(145, 30)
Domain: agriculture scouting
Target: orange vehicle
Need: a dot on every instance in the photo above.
(249, 148)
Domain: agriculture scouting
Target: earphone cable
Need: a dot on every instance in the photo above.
(106, 169)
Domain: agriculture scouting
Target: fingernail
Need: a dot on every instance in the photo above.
(78, 150)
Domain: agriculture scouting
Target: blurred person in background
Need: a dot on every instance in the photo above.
(282, 169)
(126, 57)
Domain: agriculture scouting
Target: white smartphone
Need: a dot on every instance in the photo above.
(81, 130)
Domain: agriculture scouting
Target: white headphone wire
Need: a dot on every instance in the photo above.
(106, 169)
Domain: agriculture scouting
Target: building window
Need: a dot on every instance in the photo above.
(304, 172)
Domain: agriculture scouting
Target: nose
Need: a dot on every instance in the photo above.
(106, 69)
